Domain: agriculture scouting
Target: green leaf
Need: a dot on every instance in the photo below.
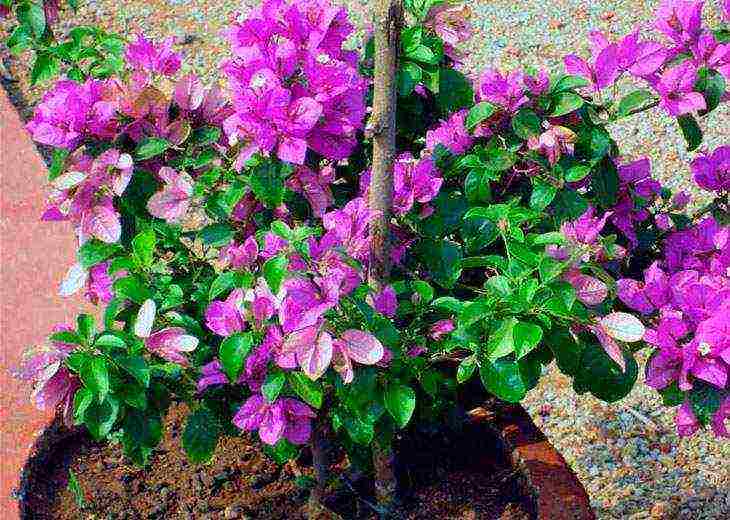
(19, 40)
(151, 147)
(478, 113)
(565, 103)
(527, 336)
(712, 85)
(577, 173)
(448, 303)
(143, 247)
(95, 376)
(273, 385)
(137, 367)
(267, 184)
(503, 379)
(542, 194)
(142, 429)
(233, 352)
(605, 182)
(424, 290)
(82, 400)
(705, 401)
(45, 67)
(200, 437)
(409, 76)
(133, 288)
(110, 341)
(567, 350)
(443, 259)
(601, 376)
(217, 235)
(32, 15)
(569, 205)
(691, 131)
(455, 91)
(281, 452)
(634, 101)
(75, 488)
(310, 391)
(501, 342)
(95, 251)
(568, 82)
(99, 417)
(526, 124)
(549, 269)
(671, 395)
(275, 270)
(466, 369)
(206, 135)
(66, 336)
(400, 401)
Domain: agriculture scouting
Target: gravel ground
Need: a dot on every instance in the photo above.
(626, 454)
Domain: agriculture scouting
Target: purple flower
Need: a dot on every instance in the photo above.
(358, 346)
(171, 343)
(225, 318)
(588, 289)
(450, 22)
(294, 87)
(284, 418)
(604, 68)
(385, 301)
(240, 256)
(680, 21)
(451, 133)
(675, 88)
(712, 54)
(349, 227)
(71, 112)
(211, 374)
(147, 57)
(686, 421)
(553, 143)
(99, 284)
(172, 202)
(505, 91)
(414, 181)
(315, 187)
(711, 171)
(721, 417)
(53, 384)
(641, 59)
(441, 329)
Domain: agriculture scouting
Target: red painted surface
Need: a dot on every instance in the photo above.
(34, 256)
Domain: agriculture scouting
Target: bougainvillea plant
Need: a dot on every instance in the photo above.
(227, 234)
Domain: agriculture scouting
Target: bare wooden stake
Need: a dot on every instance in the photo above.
(387, 23)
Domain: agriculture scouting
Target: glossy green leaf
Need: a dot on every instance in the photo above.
(400, 401)
(201, 434)
(233, 352)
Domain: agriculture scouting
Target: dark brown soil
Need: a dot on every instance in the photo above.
(464, 477)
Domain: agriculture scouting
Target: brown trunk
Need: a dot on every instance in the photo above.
(387, 23)
(316, 510)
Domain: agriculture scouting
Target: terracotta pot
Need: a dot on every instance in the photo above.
(554, 490)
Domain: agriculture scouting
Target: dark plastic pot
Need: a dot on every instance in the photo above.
(554, 490)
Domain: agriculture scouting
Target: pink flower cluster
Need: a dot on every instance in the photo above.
(711, 171)
(84, 194)
(294, 88)
(53, 384)
(689, 292)
(680, 21)
(71, 112)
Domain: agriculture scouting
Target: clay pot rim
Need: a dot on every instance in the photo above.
(555, 489)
